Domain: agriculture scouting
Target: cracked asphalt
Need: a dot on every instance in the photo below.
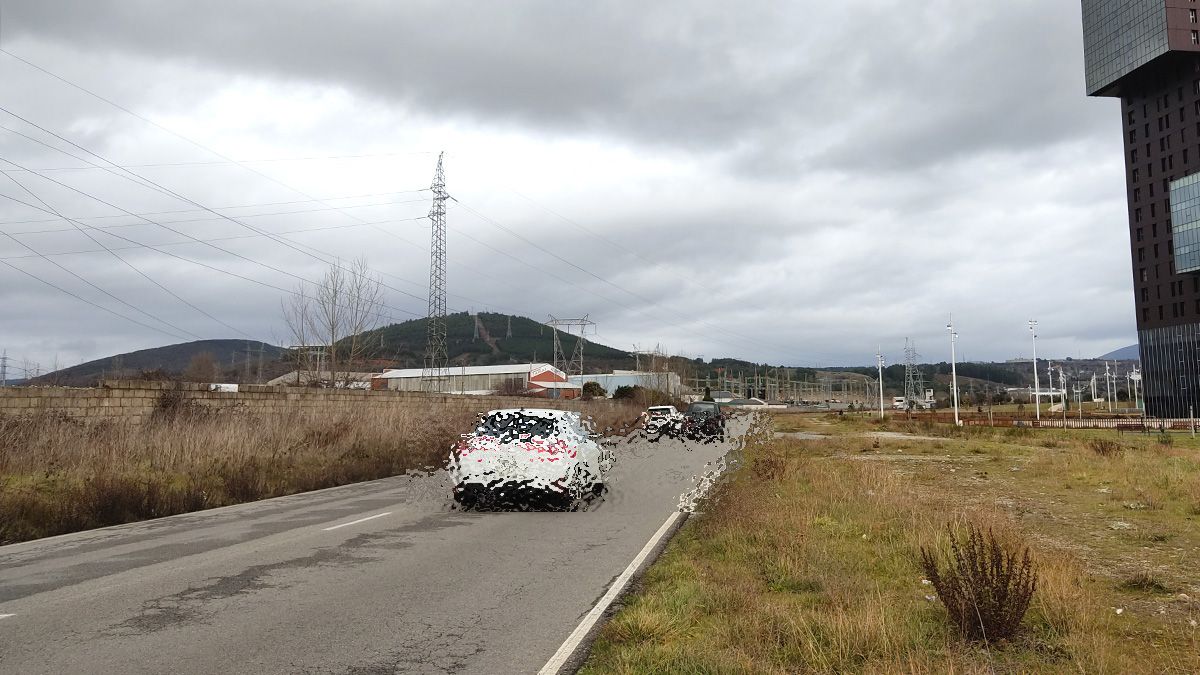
(263, 588)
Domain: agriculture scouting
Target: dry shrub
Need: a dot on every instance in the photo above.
(1105, 447)
(60, 475)
(986, 586)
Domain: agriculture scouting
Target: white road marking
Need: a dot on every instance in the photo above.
(5, 616)
(568, 648)
(360, 520)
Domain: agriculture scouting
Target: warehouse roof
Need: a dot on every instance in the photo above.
(532, 369)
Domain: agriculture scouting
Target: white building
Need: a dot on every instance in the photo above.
(665, 382)
(540, 379)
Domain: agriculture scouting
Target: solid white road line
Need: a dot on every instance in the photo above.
(360, 520)
(568, 648)
(5, 616)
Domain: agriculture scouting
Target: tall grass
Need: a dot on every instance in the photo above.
(59, 475)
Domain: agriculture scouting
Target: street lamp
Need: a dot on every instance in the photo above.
(953, 368)
(1037, 390)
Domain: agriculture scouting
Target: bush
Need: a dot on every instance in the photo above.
(593, 390)
(984, 587)
(1106, 447)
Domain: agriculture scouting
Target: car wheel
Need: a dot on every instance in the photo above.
(598, 489)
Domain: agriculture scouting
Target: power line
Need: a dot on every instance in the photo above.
(128, 264)
(141, 180)
(218, 269)
(246, 161)
(183, 234)
(93, 304)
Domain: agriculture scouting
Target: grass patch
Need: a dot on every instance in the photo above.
(808, 558)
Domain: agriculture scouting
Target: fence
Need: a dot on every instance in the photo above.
(126, 400)
(1048, 422)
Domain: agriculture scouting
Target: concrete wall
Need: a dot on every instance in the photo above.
(127, 400)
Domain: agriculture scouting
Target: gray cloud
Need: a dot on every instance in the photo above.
(806, 181)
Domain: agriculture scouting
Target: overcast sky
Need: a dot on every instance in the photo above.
(796, 183)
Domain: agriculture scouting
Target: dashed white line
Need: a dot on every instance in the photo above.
(5, 616)
(581, 631)
(360, 520)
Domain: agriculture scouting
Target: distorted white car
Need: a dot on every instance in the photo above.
(528, 458)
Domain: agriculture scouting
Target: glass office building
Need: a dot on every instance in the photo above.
(1146, 54)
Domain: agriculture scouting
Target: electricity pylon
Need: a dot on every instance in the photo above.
(434, 376)
(574, 365)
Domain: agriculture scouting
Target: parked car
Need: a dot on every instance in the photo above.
(528, 458)
(663, 420)
(704, 420)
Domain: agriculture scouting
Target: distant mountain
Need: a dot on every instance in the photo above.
(403, 344)
(11, 382)
(171, 359)
(1129, 353)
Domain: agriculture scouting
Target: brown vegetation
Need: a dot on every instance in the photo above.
(58, 475)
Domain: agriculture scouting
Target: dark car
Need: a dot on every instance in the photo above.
(704, 420)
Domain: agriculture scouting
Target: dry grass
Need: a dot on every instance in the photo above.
(812, 565)
(58, 475)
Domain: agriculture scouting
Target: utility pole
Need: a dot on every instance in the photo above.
(879, 363)
(4, 368)
(953, 368)
(1108, 386)
(1037, 390)
(1062, 383)
(436, 360)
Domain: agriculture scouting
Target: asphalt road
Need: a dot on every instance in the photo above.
(300, 585)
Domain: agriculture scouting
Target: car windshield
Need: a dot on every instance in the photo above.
(515, 425)
(703, 408)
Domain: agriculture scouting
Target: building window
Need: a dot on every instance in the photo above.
(1163, 163)
(1133, 156)
(1156, 250)
(1137, 194)
(1192, 15)
(1146, 313)
(1152, 213)
(1136, 176)
(1142, 254)
(1196, 37)
(1139, 238)
(1153, 230)
(1160, 312)
(1137, 218)
(1185, 155)
(1145, 294)
(1142, 274)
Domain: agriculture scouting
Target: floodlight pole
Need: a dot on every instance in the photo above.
(1037, 390)
(879, 363)
(953, 369)
(1062, 383)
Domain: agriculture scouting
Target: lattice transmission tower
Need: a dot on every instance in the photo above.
(574, 364)
(914, 382)
(434, 375)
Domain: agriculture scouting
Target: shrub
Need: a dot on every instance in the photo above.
(593, 390)
(1164, 438)
(1106, 447)
(985, 586)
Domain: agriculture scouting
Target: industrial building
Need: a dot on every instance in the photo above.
(661, 381)
(1146, 54)
(536, 379)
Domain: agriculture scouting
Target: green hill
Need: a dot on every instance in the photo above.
(171, 359)
(403, 344)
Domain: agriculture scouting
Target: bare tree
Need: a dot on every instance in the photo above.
(333, 316)
(202, 368)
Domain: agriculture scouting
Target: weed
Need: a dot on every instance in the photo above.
(1105, 447)
(985, 588)
(1144, 582)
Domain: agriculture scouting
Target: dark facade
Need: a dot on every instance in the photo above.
(1147, 54)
